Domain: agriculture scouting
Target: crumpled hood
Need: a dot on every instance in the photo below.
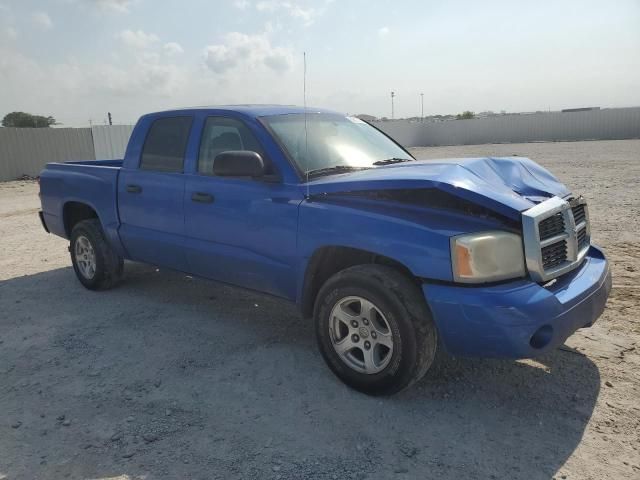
(506, 185)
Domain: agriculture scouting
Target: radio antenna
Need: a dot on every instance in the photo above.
(304, 103)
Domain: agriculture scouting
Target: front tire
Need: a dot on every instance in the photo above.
(374, 329)
(96, 265)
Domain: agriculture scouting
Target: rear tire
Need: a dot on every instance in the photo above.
(374, 329)
(96, 265)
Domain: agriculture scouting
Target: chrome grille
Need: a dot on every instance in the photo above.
(579, 213)
(581, 222)
(554, 254)
(583, 240)
(552, 226)
(556, 236)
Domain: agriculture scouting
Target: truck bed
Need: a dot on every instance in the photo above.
(91, 163)
(91, 182)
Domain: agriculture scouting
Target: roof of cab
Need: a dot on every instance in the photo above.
(251, 110)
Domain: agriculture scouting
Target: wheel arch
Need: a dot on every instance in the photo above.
(329, 260)
(74, 212)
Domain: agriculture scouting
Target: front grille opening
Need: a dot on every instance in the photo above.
(552, 226)
(579, 214)
(583, 241)
(554, 255)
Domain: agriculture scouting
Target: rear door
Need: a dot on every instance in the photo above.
(151, 196)
(240, 230)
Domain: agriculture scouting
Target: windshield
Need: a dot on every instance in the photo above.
(334, 143)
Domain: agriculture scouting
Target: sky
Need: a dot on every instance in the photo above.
(79, 59)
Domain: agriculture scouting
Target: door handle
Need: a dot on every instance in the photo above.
(134, 188)
(202, 197)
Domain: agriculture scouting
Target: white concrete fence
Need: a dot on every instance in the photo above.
(110, 142)
(25, 151)
(606, 124)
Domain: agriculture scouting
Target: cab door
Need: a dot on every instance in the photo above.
(151, 196)
(240, 230)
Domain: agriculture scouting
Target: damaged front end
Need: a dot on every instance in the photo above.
(506, 185)
(430, 198)
(455, 198)
(505, 227)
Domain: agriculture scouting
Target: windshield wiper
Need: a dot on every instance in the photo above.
(389, 161)
(334, 169)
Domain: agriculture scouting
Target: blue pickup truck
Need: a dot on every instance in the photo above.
(394, 258)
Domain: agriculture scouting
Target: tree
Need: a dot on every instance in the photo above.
(26, 120)
(466, 115)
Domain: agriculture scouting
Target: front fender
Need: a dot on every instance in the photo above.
(418, 238)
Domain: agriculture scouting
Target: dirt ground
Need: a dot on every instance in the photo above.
(178, 378)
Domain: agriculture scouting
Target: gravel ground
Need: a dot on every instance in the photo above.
(173, 377)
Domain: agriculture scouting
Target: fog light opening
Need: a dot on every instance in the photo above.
(542, 337)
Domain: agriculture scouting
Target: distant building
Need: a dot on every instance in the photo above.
(486, 114)
(440, 118)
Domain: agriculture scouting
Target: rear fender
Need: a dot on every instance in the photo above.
(96, 188)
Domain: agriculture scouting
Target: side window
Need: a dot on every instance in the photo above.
(221, 134)
(165, 145)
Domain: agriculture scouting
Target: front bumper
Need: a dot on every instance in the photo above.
(520, 319)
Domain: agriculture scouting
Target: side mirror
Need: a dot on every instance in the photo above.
(238, 163)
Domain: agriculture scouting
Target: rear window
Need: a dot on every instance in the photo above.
(166, 144)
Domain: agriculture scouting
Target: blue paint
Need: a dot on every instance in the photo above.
(261, 234)
(498, 321)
